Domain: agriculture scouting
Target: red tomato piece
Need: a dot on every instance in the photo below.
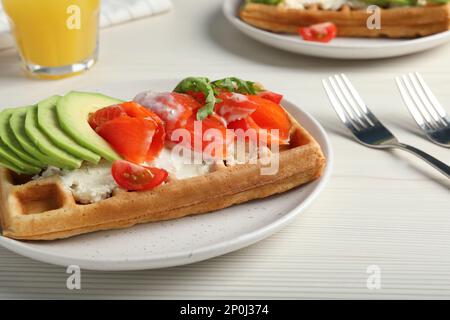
(268, 116)
(158, 139)
(249, 124)
(104, 115)
(245, 124)
(135, 110)
(272, 96)
(133, 177)
(198, 132)
(197, 95)
(173, 108)
(321, 32)
(130, 110)
(130, 137)
(234, 106)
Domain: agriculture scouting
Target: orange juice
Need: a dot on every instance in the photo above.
(55, 37)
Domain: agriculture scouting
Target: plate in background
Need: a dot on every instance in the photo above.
(339, 48)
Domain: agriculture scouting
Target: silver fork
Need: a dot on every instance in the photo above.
(363, 124)
(426, 110)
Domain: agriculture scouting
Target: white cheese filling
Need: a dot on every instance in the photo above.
(180, 167)
(92, 183)
(88, 184)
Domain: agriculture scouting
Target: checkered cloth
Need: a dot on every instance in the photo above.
(112, 12)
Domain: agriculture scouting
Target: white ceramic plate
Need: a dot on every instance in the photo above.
(339, 48)
(186, 240)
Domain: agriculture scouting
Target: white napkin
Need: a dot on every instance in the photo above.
(112, 12)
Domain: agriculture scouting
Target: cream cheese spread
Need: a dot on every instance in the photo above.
(180, 167)
(92, 183)
(88, 184)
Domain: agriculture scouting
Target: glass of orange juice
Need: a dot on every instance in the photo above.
(55, 38)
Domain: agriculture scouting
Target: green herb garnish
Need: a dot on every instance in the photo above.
(199, 84)
(212, 89)
(233, 84)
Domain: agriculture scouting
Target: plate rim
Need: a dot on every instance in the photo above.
(178, 258)
(228, 7)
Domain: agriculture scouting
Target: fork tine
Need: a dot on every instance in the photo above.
(424, 99)
(418, 103)
(410, 104)
(348, 110)
(431, 97)
(338, 108)
(362, 119)
(360, 101)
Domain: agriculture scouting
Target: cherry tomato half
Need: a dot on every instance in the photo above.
(321, 32)
(133, 177)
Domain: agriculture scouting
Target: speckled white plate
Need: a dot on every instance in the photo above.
(339, 48)
(186, 240)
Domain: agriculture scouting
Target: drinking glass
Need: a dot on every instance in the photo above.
(55, 38)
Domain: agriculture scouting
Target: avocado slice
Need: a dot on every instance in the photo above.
(8, 137)
(7, 154)
(17, 123)
(73, 112)
(48, 123)
(7, 164)
(44, 144)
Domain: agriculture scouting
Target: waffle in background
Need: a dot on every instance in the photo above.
(399, 22)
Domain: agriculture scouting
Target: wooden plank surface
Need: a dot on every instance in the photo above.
(380, 208)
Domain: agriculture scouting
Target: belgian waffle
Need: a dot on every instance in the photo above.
(399, 22)
(45, 210)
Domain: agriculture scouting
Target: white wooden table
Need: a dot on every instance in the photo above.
(380, 208)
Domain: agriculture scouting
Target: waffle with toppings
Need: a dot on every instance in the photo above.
(399, 21)
(115, 167)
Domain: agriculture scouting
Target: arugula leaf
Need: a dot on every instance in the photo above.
(199, 84)
(233, 84)
(211, 90)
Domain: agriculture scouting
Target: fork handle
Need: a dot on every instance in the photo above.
(439, 165)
